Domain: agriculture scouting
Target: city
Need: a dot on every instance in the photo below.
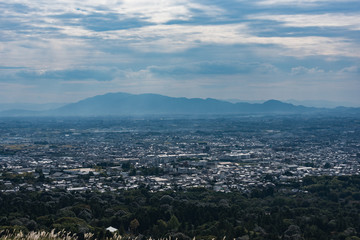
(221, 154)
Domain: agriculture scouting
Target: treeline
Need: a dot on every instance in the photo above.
(318, 208)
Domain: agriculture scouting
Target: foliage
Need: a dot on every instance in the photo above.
(318, 208)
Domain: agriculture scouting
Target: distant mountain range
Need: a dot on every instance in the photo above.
(306, 103)
(124, 104)
(30, 106)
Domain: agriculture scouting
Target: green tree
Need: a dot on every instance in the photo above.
(173, 224)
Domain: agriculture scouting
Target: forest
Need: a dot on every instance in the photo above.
(314, 208)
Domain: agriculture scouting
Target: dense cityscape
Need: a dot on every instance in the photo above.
(93, 154)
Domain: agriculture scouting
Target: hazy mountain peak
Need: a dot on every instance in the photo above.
(126, 104)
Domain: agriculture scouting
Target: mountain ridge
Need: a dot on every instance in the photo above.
(126, 104)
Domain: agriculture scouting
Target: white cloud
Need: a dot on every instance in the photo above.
(156, 11)
(312, 46)
(303, 70)
(173, 38)
(80, 46)
(351, 69)
(350, 21)
(162, 11)
(299, 2)
(68, 41)
(46, 53)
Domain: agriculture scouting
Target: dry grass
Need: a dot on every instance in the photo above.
(62, 235)
(41, 235)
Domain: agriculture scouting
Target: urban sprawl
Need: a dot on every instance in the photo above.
(223, 154)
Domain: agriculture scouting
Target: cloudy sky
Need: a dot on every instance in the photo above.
(66, 50)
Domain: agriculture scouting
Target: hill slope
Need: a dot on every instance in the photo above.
(124, 104)
(130, 104)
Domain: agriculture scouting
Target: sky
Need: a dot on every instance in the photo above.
(66, 50)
